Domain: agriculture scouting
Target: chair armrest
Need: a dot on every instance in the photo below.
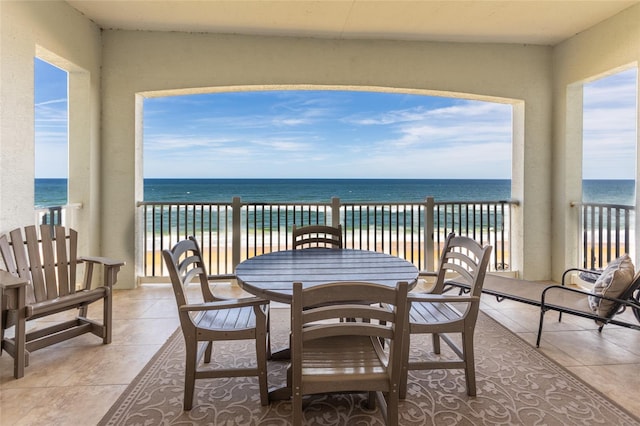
(427, 274)
(214, 277)
(101, 260)
(628, 302)
(440, 298)
(111, 269)
(224, 304)
(589, 271)
(8, 281)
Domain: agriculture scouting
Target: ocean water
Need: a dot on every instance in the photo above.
(53, 192)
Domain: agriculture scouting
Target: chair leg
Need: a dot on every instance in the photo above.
(106, 317)
(392, 408)
(404, 373)
(542, 311)
(296, 408)
(435, 337)
(268, 332)
(261, 358)
(371, 400)
(190, 373)
(20, 341)
(20, 356)
(470, 364)
(207, 353)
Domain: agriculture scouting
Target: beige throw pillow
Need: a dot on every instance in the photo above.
(615, 279)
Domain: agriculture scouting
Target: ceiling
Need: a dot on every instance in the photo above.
(524, 22)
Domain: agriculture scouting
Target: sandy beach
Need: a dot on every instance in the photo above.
(219, 260)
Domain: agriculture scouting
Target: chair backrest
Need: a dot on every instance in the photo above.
(316, 312)
(185, 265)
(49, 261)
(317, 236)
(464, 260)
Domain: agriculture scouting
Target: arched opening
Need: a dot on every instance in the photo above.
(293, 145)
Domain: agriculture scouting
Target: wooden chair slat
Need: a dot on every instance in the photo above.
(64, 284)
(33, 263)
(15, 259)
(48, 259)
(7, 258)
(73, 263)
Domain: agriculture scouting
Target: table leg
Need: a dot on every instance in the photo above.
(283, 354)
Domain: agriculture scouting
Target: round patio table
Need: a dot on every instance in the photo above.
(272, 275)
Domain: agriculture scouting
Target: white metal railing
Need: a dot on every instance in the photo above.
(58, 215)
(606, 232)
(232, 232)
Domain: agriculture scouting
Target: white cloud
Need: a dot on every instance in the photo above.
(289, 141)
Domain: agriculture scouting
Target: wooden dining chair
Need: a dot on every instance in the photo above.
(317, 236)
(214, 319)
(332, 356)
(438, 314)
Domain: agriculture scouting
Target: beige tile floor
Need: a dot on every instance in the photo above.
(75, 383)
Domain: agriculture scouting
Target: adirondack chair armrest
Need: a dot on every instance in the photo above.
(8, 281)
(111, 269)
(12, 291)
(102, 261)
(441, 298)
(224, 304)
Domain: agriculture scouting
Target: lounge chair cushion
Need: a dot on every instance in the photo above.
(615, 279)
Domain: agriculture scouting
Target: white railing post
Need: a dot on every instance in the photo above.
(335, 211)
(429, 253)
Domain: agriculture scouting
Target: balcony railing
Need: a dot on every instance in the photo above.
(606, 233)
(232, 232)
(58, 215)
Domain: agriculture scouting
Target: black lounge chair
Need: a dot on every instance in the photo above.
(561, 298)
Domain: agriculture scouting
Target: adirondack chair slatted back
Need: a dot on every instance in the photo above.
(48, 262)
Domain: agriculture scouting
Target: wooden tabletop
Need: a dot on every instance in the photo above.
(272, 275)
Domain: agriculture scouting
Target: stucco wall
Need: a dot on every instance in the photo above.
(607, 47)
(107, 157)
(63, 36)
(139, 62)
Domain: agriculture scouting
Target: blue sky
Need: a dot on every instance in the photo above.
(339, 134)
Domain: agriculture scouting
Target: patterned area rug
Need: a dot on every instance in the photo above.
(517, 385)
